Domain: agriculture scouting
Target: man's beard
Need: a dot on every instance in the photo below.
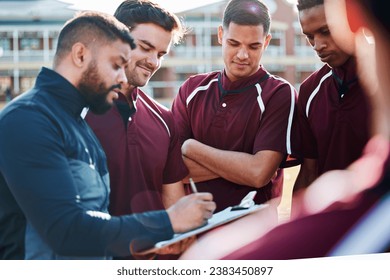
(94, 90)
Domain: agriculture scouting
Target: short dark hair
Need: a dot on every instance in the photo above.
(91, 27)
(247, 12)
(134, 12)
(307, 4)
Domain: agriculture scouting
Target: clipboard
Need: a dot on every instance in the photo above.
(220, 218)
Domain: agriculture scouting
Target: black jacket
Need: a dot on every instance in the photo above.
(54, 186)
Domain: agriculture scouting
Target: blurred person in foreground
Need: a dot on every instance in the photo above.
(333, 109)
(340, 199)
(138, 134)
(54, 184)
(236, 124)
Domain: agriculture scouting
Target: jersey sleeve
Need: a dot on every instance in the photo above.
(175, 169)
(277, 131)
(181, 114)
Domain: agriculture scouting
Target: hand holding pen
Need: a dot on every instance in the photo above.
(191, 211)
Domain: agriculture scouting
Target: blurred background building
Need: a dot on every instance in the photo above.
(29, 31)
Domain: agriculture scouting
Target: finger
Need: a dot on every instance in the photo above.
(171, 249)
(187, 243)
(208, 215)
(204, 196)
(176, 249)
(210, 206)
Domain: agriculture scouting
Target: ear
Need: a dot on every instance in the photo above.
(78, 54)
(356, 18)
(220, 34)
(267, 40)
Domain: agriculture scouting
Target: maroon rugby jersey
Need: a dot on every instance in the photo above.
(142, 154)
(248, 115)
(334, 128)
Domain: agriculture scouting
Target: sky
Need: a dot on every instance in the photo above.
(109, 6)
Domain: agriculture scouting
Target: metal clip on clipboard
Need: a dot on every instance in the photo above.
(246, 203)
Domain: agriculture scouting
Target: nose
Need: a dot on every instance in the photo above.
(153, 61)
(122, 78)
(242, 53)
(319, 44)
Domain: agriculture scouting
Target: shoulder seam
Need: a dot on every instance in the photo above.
(315, 91)
(200, 88)
(156, 114)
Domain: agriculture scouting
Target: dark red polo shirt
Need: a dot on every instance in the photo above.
(143, 153)
(334, 129)
(248, 115)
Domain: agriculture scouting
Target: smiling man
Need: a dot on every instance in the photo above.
(138, 134)
(236, 124)
(334, 112)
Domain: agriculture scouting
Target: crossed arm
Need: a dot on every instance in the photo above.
(205, 163)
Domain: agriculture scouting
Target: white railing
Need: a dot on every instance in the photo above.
(304, 51)
(43, 56)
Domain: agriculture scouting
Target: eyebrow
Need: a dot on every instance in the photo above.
(124, 60)
(319, 29)
(256, 44)
(148, 43)
(251, 44)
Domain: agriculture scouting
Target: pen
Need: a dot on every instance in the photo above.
(193, 187)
